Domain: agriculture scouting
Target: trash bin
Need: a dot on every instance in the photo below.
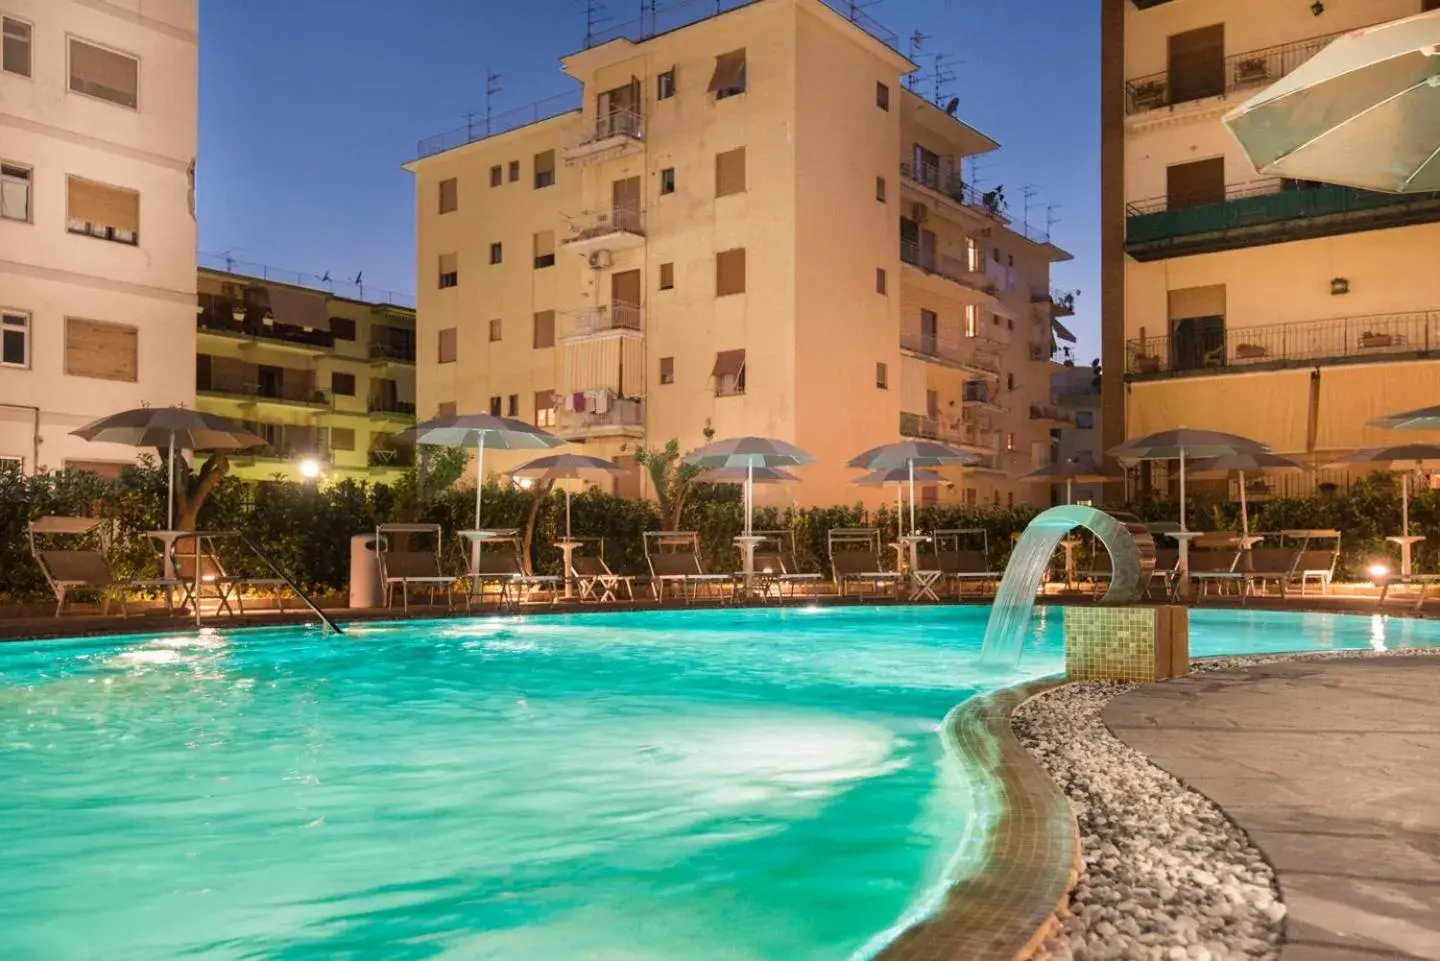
(365, 571)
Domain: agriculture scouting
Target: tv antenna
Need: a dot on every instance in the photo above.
(1051, 220)
(855, 8)
(942, 76)
(917, 42)
(1027, 191)
(595, 15)
(228, 255)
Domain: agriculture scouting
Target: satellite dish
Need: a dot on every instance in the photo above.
(952, 106)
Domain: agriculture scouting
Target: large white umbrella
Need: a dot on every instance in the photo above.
(481, 431)
(172, 428)
(910, 454)
(565, 467)
(1181, 443)
(1364, 112)
(899, 476)
(1253, 461)
(1080, 467)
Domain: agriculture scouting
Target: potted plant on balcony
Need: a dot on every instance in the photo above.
(1147, 364)
(1252, 70)
(1372, 339)
(1251, 352)
(1148, 94)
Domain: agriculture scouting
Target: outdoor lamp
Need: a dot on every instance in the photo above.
(309, 468)
(1378, 572)
(523, 483)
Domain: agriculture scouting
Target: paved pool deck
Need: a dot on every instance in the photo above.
(1333, 768)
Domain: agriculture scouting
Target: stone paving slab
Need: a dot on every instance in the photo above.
(1333, 768)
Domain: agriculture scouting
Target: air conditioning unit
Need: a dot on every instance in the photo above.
(920, 213)
(600, 259)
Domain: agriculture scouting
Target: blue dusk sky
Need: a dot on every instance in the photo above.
(309, 107)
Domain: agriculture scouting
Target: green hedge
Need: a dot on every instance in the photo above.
(306, 529)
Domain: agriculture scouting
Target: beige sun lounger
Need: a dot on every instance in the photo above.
(855, 560)
(501, 567)
(71, 571)
(417, 567)
(674, 560)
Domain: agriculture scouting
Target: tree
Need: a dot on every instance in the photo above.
(192, 487)
(538, 494)
(671, 477)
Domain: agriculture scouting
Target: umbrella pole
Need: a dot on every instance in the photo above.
(567, 512)
(899, 511)
(1069, 490)
(170, 487)
(1405, 505)
(479, 493)
(1182, 491)
(911, 462)
(749, 497)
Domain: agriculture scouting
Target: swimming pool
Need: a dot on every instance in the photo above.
(727, 785)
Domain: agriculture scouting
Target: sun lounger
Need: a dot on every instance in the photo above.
(1319, 555)
(412, 566)
(776, 567)
(855, 560)
(222, 585)
(674, 561)
(72, 570)
(962, 556)
(501, 566)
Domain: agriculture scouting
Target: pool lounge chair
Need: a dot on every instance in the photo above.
(412, 566)
(960, 561)
(855, 560)
(73, 570)
(1319, 555)
(1214, 561)
(223, 586)
(674, 560)
(776, 567)
(501, 567)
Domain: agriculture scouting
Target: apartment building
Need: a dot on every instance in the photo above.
(327, 380)
(1076, 390)
(1288, 311)
(745, 223)
(97, 225)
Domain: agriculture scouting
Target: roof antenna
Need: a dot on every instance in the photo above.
(594, 16)
(943, 77)
(917, 41)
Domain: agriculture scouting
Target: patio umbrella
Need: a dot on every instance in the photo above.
(910, 454)
(1426, 418)
(738, 475)
(1385, 458)
(1182, 443)
(553, 467)
(172, 428)
(481, 431)
(1364, 112)
(1253, 461)
(749, 453)
(898, 476)
(1077, 467)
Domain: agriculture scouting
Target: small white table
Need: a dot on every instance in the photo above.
(1406, 542)
(912, 544)
(1070, 543)
(747, 544)
(567, 548)
(1182, 582)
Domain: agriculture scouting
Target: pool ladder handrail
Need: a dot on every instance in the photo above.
(200, 536)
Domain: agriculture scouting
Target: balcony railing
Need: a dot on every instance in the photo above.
(1062, 302)
(479, 126)
(602, 318)
(943, 265)
(390, 457)
(1052, 412)
(620, 123)
(606, 221)
(951, 185)
(214, 318)
(934, 427)
(385, 405)
(1240, 71)
(1266, 211)
(401, 353)
(665, 17)
(1336, 340)
(286, 392)
(964, 353)
(619, 415)
(287, 443)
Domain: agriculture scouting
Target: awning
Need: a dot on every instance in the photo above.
(1061, 331)
(729, 71)
(303, 308)
(1353, 395)
(1272, 408)
(728, 363)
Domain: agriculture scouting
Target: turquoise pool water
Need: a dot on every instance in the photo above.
(727, 785)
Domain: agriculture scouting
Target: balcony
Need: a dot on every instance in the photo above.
(608, 137)
(394, 458)
(392, 353)
(1061, 302)
(608, 228)
(227, 318)
(622, 417)
(285, 444)
(1052, 413)
(619, 318)
(1338, 340)
(971, 354)
(948, 268)
(1267, 212)
(950, 186)
(1241, 71)
(250, 390)
(391, 409)
(967, 437)
(481, 127)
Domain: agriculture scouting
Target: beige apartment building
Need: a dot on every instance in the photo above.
(328, 380)
(97, 225)
(746, 223)
(1291, 312)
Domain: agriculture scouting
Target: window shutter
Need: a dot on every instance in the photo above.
(342, 438)
(730, 172)
(103, 73)
(545, 329)
(445, 409)
(729, 71)
(101, 350)
(449, 263)
(447, 346)
(107, 206)
(449, 195)
(730, 272)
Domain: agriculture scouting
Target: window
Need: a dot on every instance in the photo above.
(544, 408)
(1009, 381)
(1428, 5)
(667, 276)
(665, 85)
(1010, 323)
(445, 346)
(729, 76)
(880, 189)
(342, 328)
(104, 74)
(667, 180)
(544, 249)
(9, 463)
(544, 169)
(970, 497)
(101, 350)
(495, 330)
(15, 57)
(14, 192)
(1085, 419)
(445, 408)
(514, 170)
(342, 385)
(495, 403)
(667, 370)
(730, 172)
(497, 175)
(929, 331)
(972, 255)
(544, 329)
(1195, 183)
(512, 406)
(730, 272)
(14, 339)
(995, 320)
(882, 377)
(97, 210)
(342, 438)
(497, 252)
(1197, 63)
(882, 96)
(880, 280)
(972, 320)
(449, 195)
(449, 270)
(1010, 499)
(1009, 441)
(729, 373)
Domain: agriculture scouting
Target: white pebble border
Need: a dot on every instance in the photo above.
(1167, 876)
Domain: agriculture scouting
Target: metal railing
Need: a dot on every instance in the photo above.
(933, 427)
(617, 123)
(1051, 412)
(233, 384)
(405, 353)
(1338, 339)
(620, 412)
(589, 224)
(480, 126)
(217, 316)
(1239, 71)
(1062, 301)
(681, 13)
(964, 353)
(943, 265)
(390, 457)
(203, 543)
(602, 317)
(384, 405)
(348, 289)
(953, 186)
(1258, 203)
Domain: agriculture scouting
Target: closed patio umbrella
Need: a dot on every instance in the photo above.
(1363, 112)
(173, 428)
(1252, 461)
